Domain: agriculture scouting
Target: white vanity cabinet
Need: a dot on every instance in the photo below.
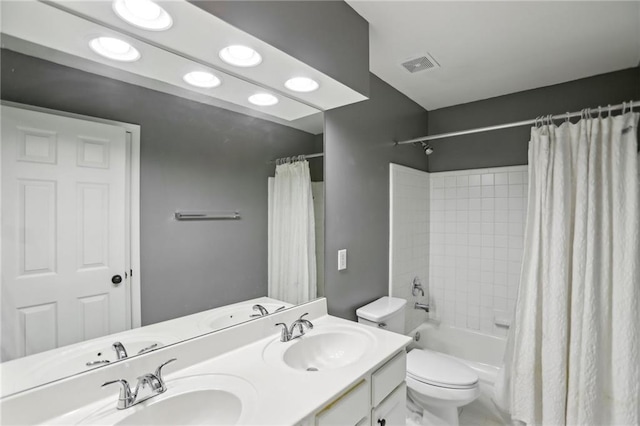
(349, 409)
(378, 399)
(392, 411)
(389, 392)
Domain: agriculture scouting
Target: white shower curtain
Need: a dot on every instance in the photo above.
(292, 256)
(575, 343)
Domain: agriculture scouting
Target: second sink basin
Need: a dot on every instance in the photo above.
(321, 349)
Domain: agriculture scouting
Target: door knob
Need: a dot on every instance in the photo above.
(116, 279)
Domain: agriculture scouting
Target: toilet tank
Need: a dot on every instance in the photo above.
(386, 313)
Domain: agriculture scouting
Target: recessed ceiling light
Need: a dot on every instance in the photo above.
(202, 79)
(143, 14)
(301, 84)
(240, 56)
(114, 48)
(263, 99)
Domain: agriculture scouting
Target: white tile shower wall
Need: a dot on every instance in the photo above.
(476, 240)
(409, 248)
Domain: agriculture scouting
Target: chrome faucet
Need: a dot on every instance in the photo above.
(287, 334)
(121, 352)
(153, 381)
(263, 311)
(423, 306)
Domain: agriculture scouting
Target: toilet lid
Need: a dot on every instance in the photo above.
(437, 369)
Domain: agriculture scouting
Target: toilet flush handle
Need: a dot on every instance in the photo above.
(382, 325)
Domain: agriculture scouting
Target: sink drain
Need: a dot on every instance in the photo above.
(312, 369)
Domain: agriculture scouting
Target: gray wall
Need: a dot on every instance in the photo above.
(328, 35)
(193, 156)
(509, 146)
(359, 147)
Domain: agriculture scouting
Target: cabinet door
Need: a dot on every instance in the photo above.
(349, 409)
(391, 411)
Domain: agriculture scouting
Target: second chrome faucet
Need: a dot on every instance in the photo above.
(289, 333)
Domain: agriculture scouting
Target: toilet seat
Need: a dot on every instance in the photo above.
(435, 369)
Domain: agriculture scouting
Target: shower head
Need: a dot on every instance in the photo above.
(427, 148)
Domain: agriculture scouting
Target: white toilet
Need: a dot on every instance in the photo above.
(436, 383)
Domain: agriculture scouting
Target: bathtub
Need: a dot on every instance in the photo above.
(481, 352)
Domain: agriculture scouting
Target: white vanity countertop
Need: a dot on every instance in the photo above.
(284, 396)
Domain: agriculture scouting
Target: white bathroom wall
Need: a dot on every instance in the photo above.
(409, 238)
(477, 227)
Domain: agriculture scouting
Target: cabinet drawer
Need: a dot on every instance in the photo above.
(392, 411)
(388, 377)
(349, 409)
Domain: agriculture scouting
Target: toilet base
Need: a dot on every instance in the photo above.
(440, 416)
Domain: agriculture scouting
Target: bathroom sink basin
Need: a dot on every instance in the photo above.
(321, 349)
(211, 399)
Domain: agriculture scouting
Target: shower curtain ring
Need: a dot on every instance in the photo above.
(624, 107)
(599, 111)
(566, 120)
(631, 106)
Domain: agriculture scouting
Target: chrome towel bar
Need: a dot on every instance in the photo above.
(207, 215)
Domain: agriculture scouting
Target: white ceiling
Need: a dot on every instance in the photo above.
(488, 49)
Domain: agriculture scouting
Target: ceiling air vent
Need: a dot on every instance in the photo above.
(422, 63)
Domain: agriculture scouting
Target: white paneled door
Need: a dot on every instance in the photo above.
(64, 241)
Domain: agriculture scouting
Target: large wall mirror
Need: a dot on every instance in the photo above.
(97, 151)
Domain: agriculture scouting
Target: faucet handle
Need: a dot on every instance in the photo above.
(306, 313)
(158, 372)
(126, 397)
(123, 382)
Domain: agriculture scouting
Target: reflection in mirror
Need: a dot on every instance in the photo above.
(97, 159)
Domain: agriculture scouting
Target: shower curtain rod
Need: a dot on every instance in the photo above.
(518, 123)
(319, 154)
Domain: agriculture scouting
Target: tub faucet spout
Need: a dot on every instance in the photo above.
(423, 306)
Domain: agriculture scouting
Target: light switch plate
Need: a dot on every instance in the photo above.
(342, 259)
